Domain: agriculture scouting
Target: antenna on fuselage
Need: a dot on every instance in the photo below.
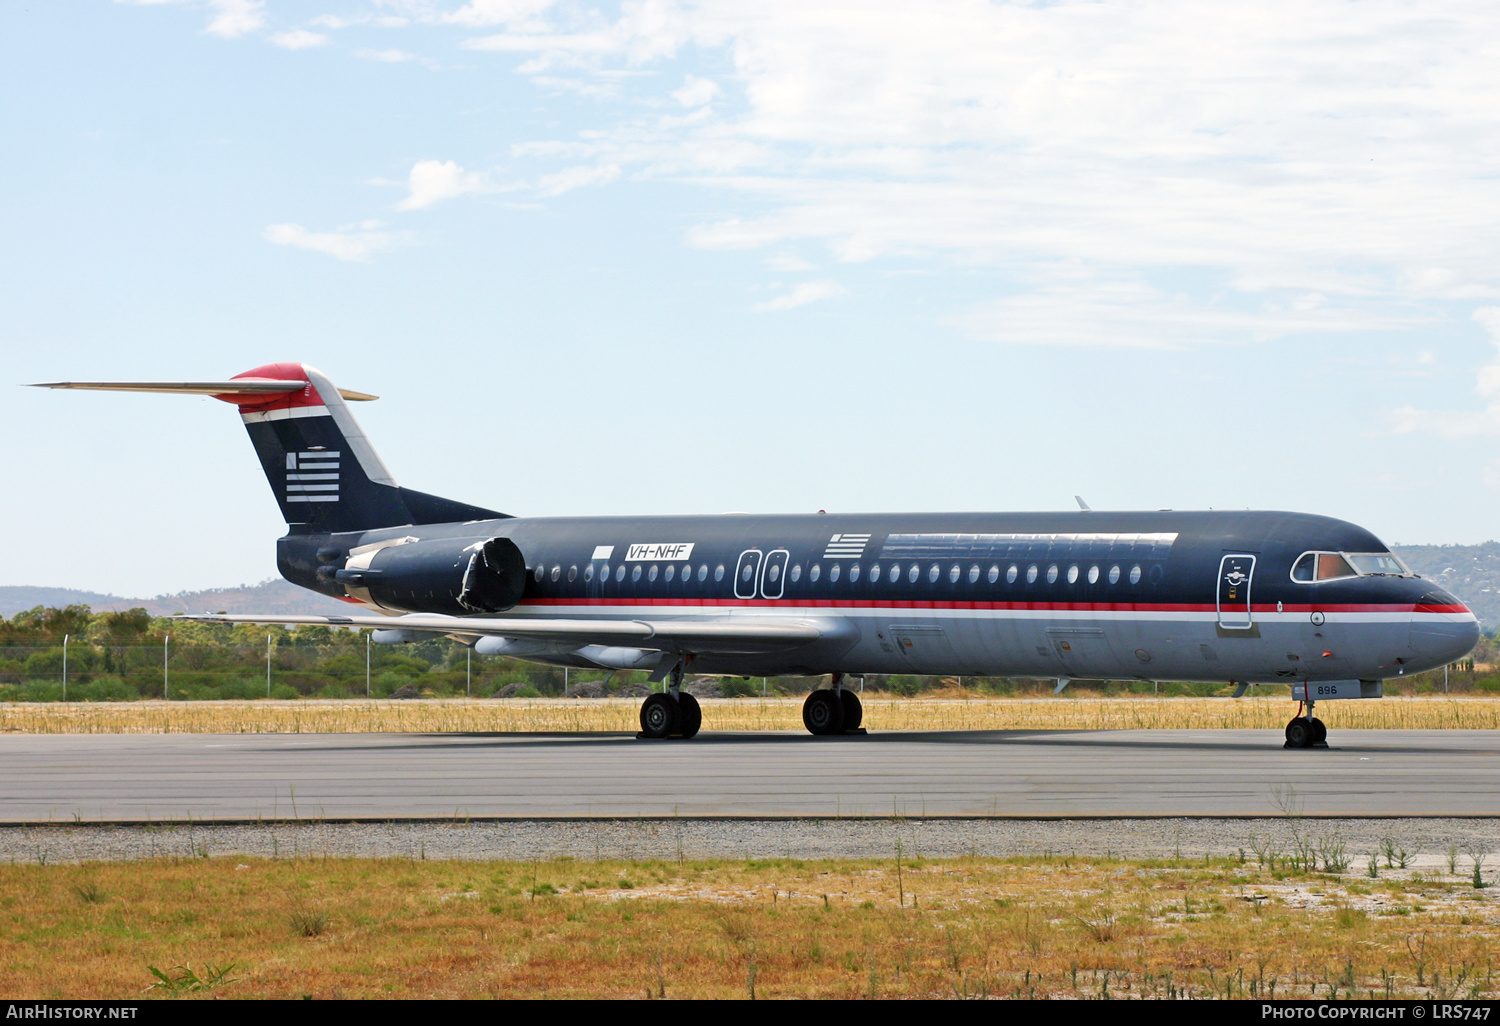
(1082, 505)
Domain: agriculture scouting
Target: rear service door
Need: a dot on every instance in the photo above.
(1235, 573)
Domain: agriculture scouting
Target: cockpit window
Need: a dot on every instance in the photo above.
(1378, 563)
(1333, 566)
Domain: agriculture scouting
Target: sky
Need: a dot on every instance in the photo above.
(677, 257)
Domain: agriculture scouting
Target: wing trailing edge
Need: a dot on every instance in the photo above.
(739, 636)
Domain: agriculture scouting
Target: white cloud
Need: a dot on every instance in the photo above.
(1091, 312)
(234, 18)
(336, 21)
(696, 92)
(1458, 423)
(300, 39)
(520, 15)
(1286, 148)
(575, 178)
(432, 180)
(808, 292)
(358, 243)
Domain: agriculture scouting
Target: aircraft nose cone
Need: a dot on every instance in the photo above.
(1443, 630)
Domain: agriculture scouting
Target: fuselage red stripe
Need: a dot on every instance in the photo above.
(1132, 607)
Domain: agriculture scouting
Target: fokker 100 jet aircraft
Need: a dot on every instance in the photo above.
(1240, 597)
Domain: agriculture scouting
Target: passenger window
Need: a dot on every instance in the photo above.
(895, 573)
(1052, 574)
(652, 575)
(953, 574)
(1031, 574)
(620, 572)
(1114, 575)
(671, 572)
(718, 572)
(604, 573)
(974, 573)
(687, 572)
(572, 573)
(815, 573)
(1073, 574)
(796, 572)
(854, 573)
(773, 573)
(747, 573)
(874, 571)
(703, 573)
(932, 573)
(588, 572)
(833, 572)
(1135, 574)
(1093, 575)
(1012, 573)
(994, 574)
(635, 575)
(541, 572)
(913, 573)
(556, 574)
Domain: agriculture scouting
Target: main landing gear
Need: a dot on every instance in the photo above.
(674, 713)
(1306, 731)
(835, 710)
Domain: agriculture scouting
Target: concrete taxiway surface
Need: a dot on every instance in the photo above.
(71, 778)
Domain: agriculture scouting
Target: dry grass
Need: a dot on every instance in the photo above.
(254, 928)
(881, 713)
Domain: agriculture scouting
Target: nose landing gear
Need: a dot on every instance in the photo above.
(1306, 731)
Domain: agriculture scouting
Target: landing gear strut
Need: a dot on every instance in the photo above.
(836, 710)
(1306, 731)
(672, 713)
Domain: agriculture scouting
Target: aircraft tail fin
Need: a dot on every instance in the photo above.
(324, 472)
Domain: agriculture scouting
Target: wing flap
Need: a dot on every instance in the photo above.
(740, 635)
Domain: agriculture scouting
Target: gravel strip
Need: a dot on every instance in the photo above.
(674, 840)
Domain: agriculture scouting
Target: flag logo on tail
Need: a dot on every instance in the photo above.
(846, 546)
(312, 476)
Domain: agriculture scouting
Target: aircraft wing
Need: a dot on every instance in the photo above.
(738, 636)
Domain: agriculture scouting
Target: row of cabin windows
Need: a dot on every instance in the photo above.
(893, 573)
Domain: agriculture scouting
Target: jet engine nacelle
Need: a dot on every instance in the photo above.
(443, 575)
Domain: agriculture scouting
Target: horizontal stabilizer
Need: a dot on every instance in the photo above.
(238, 386)
(740, 636)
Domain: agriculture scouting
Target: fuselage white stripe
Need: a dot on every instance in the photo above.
(907, 613)
(293, 413)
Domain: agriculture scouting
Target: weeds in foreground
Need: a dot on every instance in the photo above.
(89, 892)
(307, 922)
(1045, 927)
(182, 979)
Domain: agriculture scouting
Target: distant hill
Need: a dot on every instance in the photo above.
(273, 596)
(1472, 572)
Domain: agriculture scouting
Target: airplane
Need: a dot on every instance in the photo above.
(1245, 598)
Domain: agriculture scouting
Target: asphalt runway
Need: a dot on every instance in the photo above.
(154, 778)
